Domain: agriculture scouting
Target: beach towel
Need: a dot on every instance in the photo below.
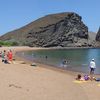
(76, 81)
(98, 84)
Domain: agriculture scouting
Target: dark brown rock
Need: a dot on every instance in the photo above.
(64, 29)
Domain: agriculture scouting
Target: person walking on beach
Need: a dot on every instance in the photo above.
(92, 67)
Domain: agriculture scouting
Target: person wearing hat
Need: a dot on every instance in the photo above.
(92, 67)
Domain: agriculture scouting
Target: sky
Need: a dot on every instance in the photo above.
(17, 13)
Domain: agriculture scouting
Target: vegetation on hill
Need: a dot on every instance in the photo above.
(8, 43)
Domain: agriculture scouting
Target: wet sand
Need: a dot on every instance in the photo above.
(20, 81)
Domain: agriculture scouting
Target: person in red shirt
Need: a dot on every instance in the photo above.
(10, 56)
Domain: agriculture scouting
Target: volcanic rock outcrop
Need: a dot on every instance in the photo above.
(63, 29)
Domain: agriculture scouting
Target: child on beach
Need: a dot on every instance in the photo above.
(84, 78)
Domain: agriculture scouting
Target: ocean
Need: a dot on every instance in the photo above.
(77, 59)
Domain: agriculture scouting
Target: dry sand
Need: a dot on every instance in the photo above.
(24, 82)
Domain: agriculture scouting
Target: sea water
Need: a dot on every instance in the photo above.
(77, 59)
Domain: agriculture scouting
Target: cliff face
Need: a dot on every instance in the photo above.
(98, 35)
(64, 29)
(97, 42)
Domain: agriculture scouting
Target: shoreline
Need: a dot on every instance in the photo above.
(26, 48)
(16, 49)
(53, 67)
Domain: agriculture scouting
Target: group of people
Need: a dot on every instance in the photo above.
(92, 67)
(7, 56)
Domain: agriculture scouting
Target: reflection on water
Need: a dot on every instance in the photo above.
(77, 59)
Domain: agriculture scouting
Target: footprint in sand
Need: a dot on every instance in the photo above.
(13, 85)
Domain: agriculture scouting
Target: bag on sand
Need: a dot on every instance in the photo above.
(97, 79)
(86, 77)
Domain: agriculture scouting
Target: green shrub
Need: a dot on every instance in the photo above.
(8, 43)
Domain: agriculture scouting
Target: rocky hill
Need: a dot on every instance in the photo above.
(63, 29)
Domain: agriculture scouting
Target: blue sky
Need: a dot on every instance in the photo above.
(17, 13)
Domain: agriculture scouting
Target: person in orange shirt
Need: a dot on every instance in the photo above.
(10, 56)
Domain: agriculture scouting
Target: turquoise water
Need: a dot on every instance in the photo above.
(77, 59)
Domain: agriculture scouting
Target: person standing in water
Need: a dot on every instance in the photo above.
(46, 57)
(64, 63)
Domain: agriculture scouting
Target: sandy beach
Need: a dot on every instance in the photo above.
(20, 81)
